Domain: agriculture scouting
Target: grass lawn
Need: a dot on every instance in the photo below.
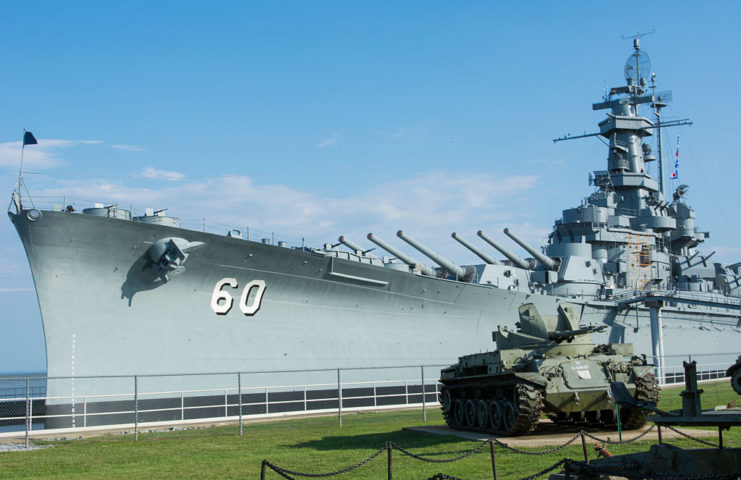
(314, 445)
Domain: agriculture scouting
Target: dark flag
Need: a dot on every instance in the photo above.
(29, 139)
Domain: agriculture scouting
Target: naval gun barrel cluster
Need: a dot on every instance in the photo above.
(351, 245)
(544, 260)
(455, 270)
(401, 256)
(483, 256)
(516, 261)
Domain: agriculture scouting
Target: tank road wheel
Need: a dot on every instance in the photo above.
(470, 413)
(736, 380)
(446, 400)
(482, 414)
(508, 415)
(458, 413)
(495, 416)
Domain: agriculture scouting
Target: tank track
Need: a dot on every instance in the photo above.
(502, 410)
(647, 390)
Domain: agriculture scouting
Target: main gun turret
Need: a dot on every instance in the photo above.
(425, 270)
(516, 261)
(460, 273)
(547, 262)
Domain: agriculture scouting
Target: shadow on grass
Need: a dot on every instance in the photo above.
(374, 441)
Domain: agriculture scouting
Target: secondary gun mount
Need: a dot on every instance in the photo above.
(460, 273)
(544, 260)
(483, 256)
(516, 261)
(402, 256)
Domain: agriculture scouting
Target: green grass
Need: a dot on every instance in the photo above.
(307, 444)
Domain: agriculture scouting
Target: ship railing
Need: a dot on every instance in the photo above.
(233, 400)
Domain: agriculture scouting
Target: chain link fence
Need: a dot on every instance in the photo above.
(33, 403)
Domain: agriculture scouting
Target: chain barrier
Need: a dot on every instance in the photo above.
(542, 452)
(614, 442)
(698, 440)
(563, 461)
(436, 460)
(284, 472)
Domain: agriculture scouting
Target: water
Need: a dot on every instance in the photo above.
(13, 399)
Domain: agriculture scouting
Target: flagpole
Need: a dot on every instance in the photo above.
(20, 172)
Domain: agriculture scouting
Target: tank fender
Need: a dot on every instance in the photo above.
(532, 377)
(733, 368)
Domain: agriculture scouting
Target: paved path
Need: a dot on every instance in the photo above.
(549, 434)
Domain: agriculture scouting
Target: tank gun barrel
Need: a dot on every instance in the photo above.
(544, 260)
(483, 256)
(517, 261)
(401, 256)
(451, 267)
(352, 245)
(569, 335)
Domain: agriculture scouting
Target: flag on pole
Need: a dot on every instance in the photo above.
(29, 139)
(675, 173)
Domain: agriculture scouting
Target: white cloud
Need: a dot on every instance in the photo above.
(43, 155)
(334, 139)
(153, 173)
(128, 148)
(429, 206)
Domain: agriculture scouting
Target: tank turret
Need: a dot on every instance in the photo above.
(516, 261)
(460, 273)
(483, 256)
(547, 262)
(549, 365)
(425, 270)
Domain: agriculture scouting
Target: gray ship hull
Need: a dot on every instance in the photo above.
(107, 312)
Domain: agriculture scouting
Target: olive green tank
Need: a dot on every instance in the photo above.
(549, 365)
(734, 371)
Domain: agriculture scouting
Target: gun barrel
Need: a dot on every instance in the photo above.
(350, 244)
(544, 260)
(517, 261)
(483, 256)
(451, 267)
(400, 255)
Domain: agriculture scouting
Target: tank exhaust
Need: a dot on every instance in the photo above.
(544, 260)
(464, 274)
(483, 256)
(517, 261)
(402, 256)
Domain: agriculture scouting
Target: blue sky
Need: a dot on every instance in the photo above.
(319, 119)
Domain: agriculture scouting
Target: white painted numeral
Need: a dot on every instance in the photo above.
(223, 308)
(222, 301)
(255, 305)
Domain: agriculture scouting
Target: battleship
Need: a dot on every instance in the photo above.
(126, 294)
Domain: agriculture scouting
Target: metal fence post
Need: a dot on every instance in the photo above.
(136, 407)
(339, 397)
(28, 411)
(182, 406)
(424, 394)
(84, 411)
(226, 402)
(406, 392)
(390, 459)
(493, 460)
(239, 394)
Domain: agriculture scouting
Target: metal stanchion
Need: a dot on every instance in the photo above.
(493, 460)
(28, 411)
(584, 446)
(390, 459)
(239, 395)
(136, 407)
(424, 403)
(339, 397)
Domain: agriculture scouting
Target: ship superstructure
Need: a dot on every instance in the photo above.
(137, 295)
